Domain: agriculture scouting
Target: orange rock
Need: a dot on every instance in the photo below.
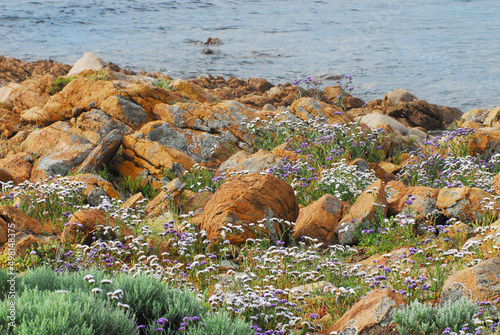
(492, 118)
(196, 204)
(133, 200)
(102, 153)
(373, 311)
(172, 195)
(124, 110)
(95, 181)
(32, 93)
(496, 184)
(84, 223)
(18, 166)
(424, 201)
(484, 142)
(319, 220)
(28, 232)
(309, 108)
(253, 163)
(362, 212)
(463, 203)
(390, 167)
(190, 91)
(478, 283)
(247, 199)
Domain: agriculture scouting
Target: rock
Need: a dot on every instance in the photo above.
(196, 204)
(97, 196)
(248, 199)
(82, 226)
(309, 108)
(484, 142)
(362, 212)
(478, 283)
(390, 167)
(172, 195)
(252, 163)
(133, 201)
(319, 220)
(463, 203)
(213, 41)
(124, 110)
(379, 172)
(260, 84)
(373, 311)
(399, 95)
(10, 123)
(12, 69)
(348, 101)
(17, 166)
(376, 120)
(93, 181)
(96, 124)
(89, 61)
(493, 118)
(496, 184)
(32, 93)
(208, 51)
(75, 98)
(190, 91)
(6, 93)
(28, 232)
(102, 153)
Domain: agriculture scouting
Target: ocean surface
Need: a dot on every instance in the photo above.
(444, 51)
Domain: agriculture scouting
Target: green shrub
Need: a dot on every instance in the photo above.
(420, 318)
(137, 185)
(4, 284)
(221, 324)
(59, 84)
(165, 84)
(76, 312)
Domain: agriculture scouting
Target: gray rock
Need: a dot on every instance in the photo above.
(89, 61)
(97, 196)
(376, 120)
(400, 95)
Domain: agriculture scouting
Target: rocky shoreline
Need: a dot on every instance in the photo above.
(82, 122)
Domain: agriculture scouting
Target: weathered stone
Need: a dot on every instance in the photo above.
(172, 195)
(463, 203)
(97, 196)
(89, 61)
(133, 201)
(399, 95)
(348, 101)
(484, 142)
(376, 120)
(252, 163)
(124, 110)
(260, 84)
(32, 93)
(28, 232)
(309, 108)
(93, 181)
(12, 69)
(496, 184)
(248, 199)
(362, 212)
(17, 166)
(478, 283)
(375, 309)
(190, 91)
(84, 223)
(102, 153)
(319, 220)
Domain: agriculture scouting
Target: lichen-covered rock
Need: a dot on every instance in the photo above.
(93, 181)
(124, 110)
(418, 200)
(478, 283)
(251, 163)
(102, 153)
(190, 91)
(484, 142)
(373, 311)
(32, 93)
(28, 232)
(309, 108)
(83, 225)
(248, 199)
(319, 220)
(17, 166)
(362, 212)
(399, 95)
(12, 69)
(171, 195)
(463, 203)
(496, 184)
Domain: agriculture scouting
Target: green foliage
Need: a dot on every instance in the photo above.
(133, 186)
(99, 75)
(165, 84)
(201, 178)
(4, 284)
(74, 312)
(418, 318)
(221, 324)
(59, 84)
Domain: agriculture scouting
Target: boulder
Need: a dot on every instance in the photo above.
(362, 212)
(10, 123)
(478, 283)
(93, 181)
(370, 315)
(6, 93)
(252, 163)
(260, 84)
(376, 120)
(493, 118)
(319, 220)
(12, 69)
(97, 197)
(32, 93)
(28, 232)
(94, 125)
(84, 224)
(246, 200)
(484, 142)
(463, 203)
(399, 95)
(124, 110)
(102, 153)
(190, 91)
(309, 108)
(333, 92)
(133, 201)
(89, 61)
(17, 166)
(171, 196)
(496, 184)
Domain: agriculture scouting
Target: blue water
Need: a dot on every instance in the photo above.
(444, 51)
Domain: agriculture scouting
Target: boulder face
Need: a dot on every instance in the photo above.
(17, 166)
(362, 212)
(246, 200)
(309, 108)
(319, 220)
(373, 311)
(478, 283)
(12, 69)
(463, 203)
(28, 232)
(89, 61)
(252, 163)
